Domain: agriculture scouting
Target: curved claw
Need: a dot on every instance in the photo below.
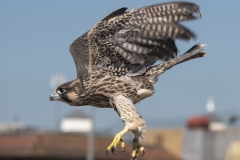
(113, 150)
(107, 152)
(134, 154)
(136, 148)
(123, 150)
(122, 144)
(143, 152)
(117, 139)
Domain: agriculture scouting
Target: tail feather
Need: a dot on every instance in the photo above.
(190, 54)
(195, 52)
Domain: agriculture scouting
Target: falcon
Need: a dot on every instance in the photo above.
(116, 62)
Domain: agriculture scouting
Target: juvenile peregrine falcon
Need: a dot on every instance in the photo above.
(115, 61)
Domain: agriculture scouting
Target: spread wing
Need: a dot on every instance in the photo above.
(126, 42)
(80, 53)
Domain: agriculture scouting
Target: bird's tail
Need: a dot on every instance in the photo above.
(195, 52)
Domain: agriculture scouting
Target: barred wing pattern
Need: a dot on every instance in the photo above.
(128, 42)
(80, 53)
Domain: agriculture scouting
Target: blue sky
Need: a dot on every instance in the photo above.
(34, 41)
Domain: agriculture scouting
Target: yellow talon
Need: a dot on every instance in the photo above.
(118, 138)
(135, 148)
(122, 145)
(135, 153)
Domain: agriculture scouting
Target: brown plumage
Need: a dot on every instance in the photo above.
(114, 61)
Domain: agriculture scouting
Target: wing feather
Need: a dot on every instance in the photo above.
(139, 37)
(80, 53)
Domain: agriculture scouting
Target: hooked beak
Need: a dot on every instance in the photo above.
(54, 96)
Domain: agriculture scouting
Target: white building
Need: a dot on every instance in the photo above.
(216, 124)
(77, 122)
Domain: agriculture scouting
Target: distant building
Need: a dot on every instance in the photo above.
(200, 144)
(210, 121)
(76, 121)
(198, 122)
(233, 152)
(216, 124)
(170, 139)
(63, 146)
(206, 137)
(11, 127)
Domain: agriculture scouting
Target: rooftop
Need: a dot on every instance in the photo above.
(56, 146)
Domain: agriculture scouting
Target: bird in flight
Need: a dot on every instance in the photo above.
(116, 62)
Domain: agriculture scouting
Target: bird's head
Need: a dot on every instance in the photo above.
(67, 92)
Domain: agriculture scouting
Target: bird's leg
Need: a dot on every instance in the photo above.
(118, 138)
(133, 122)
(136, 147)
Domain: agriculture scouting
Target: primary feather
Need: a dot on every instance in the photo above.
(130, 38)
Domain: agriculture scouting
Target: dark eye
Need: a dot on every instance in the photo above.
(61, 90)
